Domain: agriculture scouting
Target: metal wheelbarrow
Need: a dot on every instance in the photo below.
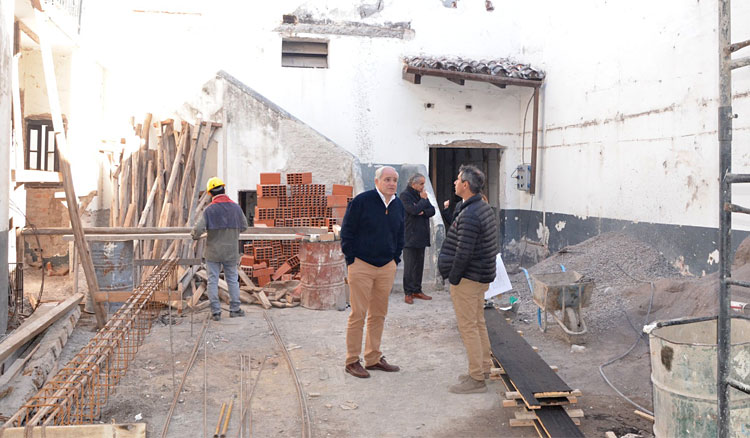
(563, 295)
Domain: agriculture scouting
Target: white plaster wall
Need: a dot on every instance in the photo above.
(34, 97)
(80, 86)
(629, 117)
(256, 136)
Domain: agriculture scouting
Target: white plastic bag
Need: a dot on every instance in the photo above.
(501, 283)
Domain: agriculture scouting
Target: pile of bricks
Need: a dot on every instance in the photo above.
(298, 203)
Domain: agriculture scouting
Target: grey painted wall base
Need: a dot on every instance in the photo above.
(682, 245)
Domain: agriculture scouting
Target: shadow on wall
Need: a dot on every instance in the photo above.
(437, 227)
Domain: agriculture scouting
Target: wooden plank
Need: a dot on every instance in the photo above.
(65, 170)
(249, 234)
(197, 294)
(122, 296)
(245, 279)
(32, 327)
(261, 296)
(513, 422)
(133, 430)
(644, 415)
(244, 296)
(189, 165)
(17, 366)
(530, 415)
(525, 368)
(557, 423)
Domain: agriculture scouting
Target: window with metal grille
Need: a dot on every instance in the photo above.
(41, 147)
(305, 53)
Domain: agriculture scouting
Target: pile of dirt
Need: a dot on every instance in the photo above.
(616, 262)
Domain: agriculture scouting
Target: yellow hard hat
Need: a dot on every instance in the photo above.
(213, 183)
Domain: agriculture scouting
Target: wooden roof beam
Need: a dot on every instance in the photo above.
(411, 77)
(479, 77)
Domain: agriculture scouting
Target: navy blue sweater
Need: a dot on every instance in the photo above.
(372, 233)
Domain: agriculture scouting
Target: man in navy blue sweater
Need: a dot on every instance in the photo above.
(372, 237)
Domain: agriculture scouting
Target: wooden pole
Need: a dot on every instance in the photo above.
(67, 176)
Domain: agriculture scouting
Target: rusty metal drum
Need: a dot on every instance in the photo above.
(113, 266)
(322, 275)
(683, 373)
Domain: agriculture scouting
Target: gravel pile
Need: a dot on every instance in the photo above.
(615, 261)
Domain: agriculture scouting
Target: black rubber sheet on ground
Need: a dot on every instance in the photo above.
(530, 375)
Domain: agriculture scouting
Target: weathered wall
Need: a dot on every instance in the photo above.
(44, 210)
(628, 124)
(33, 89)
(6, 53)
(258, 136)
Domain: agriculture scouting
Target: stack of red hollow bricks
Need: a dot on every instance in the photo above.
(298, 203)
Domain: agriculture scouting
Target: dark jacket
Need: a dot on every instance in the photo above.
(372, 233)
(470, 245)
(417, 226)
(224, 220)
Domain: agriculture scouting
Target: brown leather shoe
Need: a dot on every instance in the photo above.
(421, 296)
(356, 370)
(382, 365)
(408, 299)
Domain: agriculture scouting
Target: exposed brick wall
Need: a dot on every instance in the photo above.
(43, 210)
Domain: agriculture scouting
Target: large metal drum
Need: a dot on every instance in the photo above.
(113, 265)
(322, 275)
(683, 373)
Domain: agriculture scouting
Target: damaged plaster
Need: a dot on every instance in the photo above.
(348, 28)
(259, 136)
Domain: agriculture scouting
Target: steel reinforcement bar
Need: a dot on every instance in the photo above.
(77, 393)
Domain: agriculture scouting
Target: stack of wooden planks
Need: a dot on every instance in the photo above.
(160, 187)
(533, 386)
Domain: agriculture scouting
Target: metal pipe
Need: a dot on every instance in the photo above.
(226, 420)
(739, 385)
(724, 326)
(221, 416)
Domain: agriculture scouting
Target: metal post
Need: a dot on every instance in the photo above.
(725, 217)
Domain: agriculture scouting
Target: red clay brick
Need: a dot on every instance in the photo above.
(281, 271)
(336, 201)
(270, 178)
(247, 260)
(338, 212)
(264, 280)
(299, 178)
(268, 202)
(340, 189)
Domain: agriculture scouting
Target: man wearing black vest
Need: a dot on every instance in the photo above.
(467, 260)
(223, 220)
(372, 237)
(417, 236)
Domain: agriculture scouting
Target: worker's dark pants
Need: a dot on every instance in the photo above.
(413, 268)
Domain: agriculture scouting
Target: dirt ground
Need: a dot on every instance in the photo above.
(424, 341)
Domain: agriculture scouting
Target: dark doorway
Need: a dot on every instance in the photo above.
(248, 199)
(444, 165)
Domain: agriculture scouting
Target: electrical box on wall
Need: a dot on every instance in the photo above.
(523, 177)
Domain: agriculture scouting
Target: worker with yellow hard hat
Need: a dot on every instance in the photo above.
(223, 221)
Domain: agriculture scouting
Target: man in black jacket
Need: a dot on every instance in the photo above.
(372, 237)
(417, 236)
(467, 260)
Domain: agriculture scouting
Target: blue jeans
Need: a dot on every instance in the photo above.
(230, 274)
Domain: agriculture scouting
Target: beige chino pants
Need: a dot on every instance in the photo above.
(468, 302)
(369, 289)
